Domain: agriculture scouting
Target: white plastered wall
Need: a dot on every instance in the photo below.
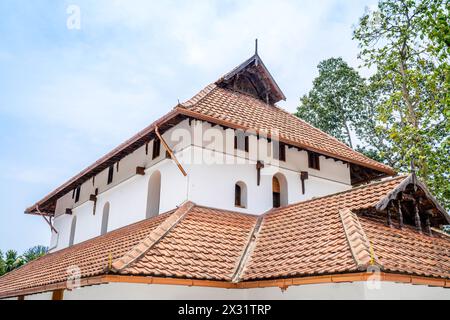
(213, 167)
(353, 291)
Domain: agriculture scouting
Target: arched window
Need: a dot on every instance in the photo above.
(72, 231)
(105, 218)
(154, 194)
(240, 195)
(279, 190)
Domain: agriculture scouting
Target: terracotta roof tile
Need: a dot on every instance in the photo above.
(315, 237)
(308, 238)
(208, 242)
(91, 257)
(407, 251)
(244, 110)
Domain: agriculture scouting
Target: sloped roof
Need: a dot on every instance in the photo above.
(259, 77)
(304, 239)
(227, 107)
(245, 111)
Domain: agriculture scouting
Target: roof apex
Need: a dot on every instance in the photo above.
(253, 77)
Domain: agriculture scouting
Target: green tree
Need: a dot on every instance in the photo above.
(34, 253)
(2, 264)
(13, 260)
(403, 39)
(335, 102)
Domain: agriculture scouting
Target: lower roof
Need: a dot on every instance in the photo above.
(336, 234)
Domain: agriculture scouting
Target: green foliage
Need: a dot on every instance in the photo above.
(11, 260)
(407, 42)
(335, 102)
(401, 114)
(34, 253)
(2, 264)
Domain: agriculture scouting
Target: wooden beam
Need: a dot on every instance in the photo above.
(428, 226)
(304, 176)
(389, 218)
(417, 217)
(172, 155)
(49, 222)
(400, 214)
(69, 211)
(259, 166)
(58, 294)
(93, 198)
(140, 171)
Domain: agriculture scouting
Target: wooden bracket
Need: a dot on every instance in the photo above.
(172, 155)
(49, 222)
(259, 166)
(140, 171)
(68, 211)
(58, 294)
(304, 176)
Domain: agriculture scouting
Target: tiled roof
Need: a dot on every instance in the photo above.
(407, 251)
(308, 238)
(91, 257)
(233, 109)
(207, 244)
(317, 237)
(249, 112)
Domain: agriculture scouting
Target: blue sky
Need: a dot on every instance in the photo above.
(69, 96)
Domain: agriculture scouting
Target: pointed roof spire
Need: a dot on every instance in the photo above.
(252, 77)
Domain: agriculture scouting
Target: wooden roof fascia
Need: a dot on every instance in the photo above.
(281, 283)
(256, 61)
(411, 179)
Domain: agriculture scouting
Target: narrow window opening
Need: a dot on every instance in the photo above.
(241, 141)
(280, 153)
(156, 148)
(313, 160)
(77, 194)
(279, 191)
(237, 196)
(240, 195)
(276, 193)
(110, 174)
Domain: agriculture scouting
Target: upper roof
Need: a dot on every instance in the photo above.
(254, 78)
(245, 111)
(336, 234)
(225, 103)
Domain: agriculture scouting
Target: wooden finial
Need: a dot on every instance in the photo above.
(256, 46)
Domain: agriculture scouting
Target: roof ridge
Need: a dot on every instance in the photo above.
(357, 240)
(248, 250)
(153, 237)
